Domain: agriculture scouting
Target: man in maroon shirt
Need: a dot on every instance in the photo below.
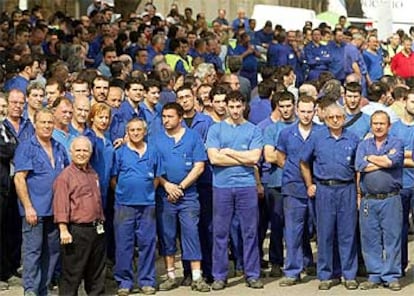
(402, 64)
(78, 212)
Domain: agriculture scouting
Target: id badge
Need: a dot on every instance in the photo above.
(100, 228)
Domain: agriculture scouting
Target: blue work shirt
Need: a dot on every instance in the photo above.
(101, 161)
(26, 129)
(291, 143)
(271, 138)
(30, 156)
(63, 138)
(278, 54)
(297, 63)
(249, 61)
(17, 82)
(374, 65)
(332, 158)
(214, 59)
(178, 159)
(121, 117)
(360, 127)
(261, 37)
(405, 133)
(265, 167)
(167, 96)
(144, 68)
(241, 137)
(74, 132)
(201, 124)
(134, 171)
(259, 110)
(353, 55)
(317, 57)
(337, 52)
(385, 180)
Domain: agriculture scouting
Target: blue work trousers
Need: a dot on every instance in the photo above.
(336, 210)
(242, 201)
(187, 213)
(381, 225)
(274, 205)
(406, 196)
(41, 252)
(297, 237)
(135, 226)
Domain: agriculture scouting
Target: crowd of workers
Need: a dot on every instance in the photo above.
(120, 136)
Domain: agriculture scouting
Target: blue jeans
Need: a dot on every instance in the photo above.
(41, 251)
(135, 226)
(381, 224)
(243, 202)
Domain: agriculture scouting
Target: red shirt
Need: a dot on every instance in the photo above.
(402, 65)
(77, 197)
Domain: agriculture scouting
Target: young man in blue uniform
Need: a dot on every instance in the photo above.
(297, 206)
(234, 147)
(272, 181)
(200, 123)
(38, 161)
(403, 129)
(331, 153)
(182, 156)
(380, 162)
(356, 121)
(136, 165)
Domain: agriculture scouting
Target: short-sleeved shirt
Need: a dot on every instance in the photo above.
(271, 138)
(360, 127)
(291, 143)
(121, 117)
(30, 156)
(63, 138)
(332, 158)
(77, 198)
(385, 180)
(178, 159)
(101, 160)
(26, 129)
(241, 137)
(405, 133)
(136, 174)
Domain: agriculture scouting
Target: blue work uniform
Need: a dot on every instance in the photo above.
(278, 54)
(234, 190)
(360, 127)
(40, 247)
(63, 138)
(177, 160)
(374, 64)
(259, 110)
(297, 207)
(380, 211)
(121, 117)
(101, 160)
(335, 201)
(405, 132)
(354, 55)
(336, 67)
(134, 218)
(201, 123)
(17, 82)
(26, 129)
(274, 198)
(317, 58)
(249, 66)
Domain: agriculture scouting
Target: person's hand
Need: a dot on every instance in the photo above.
(65, 238)
(311, 191)
(118, 142)
(260, 190)
(174, 192)
(31, 216)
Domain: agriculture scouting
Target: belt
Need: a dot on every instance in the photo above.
(334, 182)
(381, 195)
(90, 224)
